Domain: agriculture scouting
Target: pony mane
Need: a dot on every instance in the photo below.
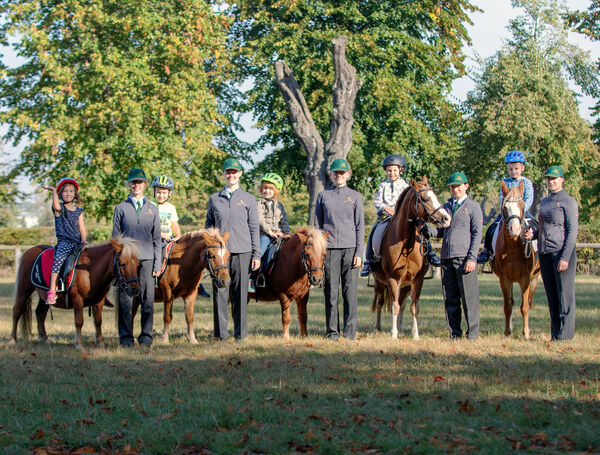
(208, 232)
(131, 247)
(318, 238)
(402, 197)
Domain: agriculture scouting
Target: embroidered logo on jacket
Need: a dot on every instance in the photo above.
(241, 203)
(348, 199)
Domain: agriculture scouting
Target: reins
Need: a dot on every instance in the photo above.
(309, 270)
(527, 245)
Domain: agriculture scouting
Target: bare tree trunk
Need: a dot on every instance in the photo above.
(320, 155)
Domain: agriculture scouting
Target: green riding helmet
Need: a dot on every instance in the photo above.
(273, 178)
(162, 181)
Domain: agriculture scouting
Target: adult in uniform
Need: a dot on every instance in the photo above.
(460, 245)
(234, 210)
(339, 211)
(558, 224)
(138, 218)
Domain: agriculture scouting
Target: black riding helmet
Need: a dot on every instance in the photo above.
(397, 160)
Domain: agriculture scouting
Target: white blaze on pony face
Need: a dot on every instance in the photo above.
(513, 210)
(441, 215)
(221, 252)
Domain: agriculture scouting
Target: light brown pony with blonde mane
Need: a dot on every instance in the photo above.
(403, 266)
(192, 253)
(98, 265)
(299, 266)
(514, 259)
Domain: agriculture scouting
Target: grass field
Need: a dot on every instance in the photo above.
(373, 395)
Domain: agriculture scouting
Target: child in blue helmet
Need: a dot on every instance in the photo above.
(69, 226)
(169, 221)
(515, 165)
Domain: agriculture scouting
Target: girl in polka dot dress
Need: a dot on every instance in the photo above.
(69, 225)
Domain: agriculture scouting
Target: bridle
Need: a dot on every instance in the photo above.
(120, 282)
(309, 270)
(527, 248)
(430, 215)
(207, 259)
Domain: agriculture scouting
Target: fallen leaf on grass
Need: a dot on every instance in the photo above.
(166, 416)
(439, 379)
(39, 434)
(84, 450)
(465, 407)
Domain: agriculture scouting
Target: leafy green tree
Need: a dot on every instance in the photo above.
(117, 84)
(406, 55)
(522, 101)
(588, 23)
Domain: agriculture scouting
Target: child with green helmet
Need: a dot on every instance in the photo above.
(169, 221)
(272, 219)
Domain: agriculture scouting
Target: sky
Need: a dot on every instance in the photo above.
(488, 33)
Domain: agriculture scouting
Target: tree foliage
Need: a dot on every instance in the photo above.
(406, 54)
(522, 101)
(117, 84)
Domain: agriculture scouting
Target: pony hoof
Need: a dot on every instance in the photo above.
(416, 337)
(193, 341)
(12, 342)
(79, 347)
(164, 340)
(100, 345)
(394, 335)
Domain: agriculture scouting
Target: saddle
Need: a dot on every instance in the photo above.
(380, 228)
(166, 254)
(42, 269)
(268, 260)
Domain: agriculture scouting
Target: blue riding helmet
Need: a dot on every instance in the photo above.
(514, 157)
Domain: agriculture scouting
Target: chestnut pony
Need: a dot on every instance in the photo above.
(403, 266)
(98, 265)
(514, 259)
(192, 253)
(299, 266)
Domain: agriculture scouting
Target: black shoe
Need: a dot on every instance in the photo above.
(433, 259)
(202, 292)
(483, 257)
(366, 271)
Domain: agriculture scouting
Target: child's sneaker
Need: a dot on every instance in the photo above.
(251, 287)
(51, 298)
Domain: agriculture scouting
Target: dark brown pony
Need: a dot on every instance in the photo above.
(299, 266)
(402, 267)
(514, 259)
(98, 265)
(192, 253)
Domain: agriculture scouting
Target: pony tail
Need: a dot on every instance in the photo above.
(25, 321)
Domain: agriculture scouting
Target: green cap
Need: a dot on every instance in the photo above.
(136, 174)
(232, 163)
(339, 164)
(457, 178)
(555, 171)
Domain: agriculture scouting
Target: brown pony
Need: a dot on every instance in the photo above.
(191, 254)
(514, 259)
(98, 265)
(402, 267)
(299, 266)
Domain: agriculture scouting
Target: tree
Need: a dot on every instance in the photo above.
(522, 101)
(117, 84)
(588, 23)
(405, 53)
(320, 155)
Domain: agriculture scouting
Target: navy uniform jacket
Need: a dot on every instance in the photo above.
(463, 237)
(145, 228)
(558, 217)
(239, 217)
(339, 211)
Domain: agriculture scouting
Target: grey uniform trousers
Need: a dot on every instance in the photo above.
(146, 300)
(560, 292)
(460, 288)
(239, 270)
(338, 264)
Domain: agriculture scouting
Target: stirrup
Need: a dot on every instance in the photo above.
(260, 281)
